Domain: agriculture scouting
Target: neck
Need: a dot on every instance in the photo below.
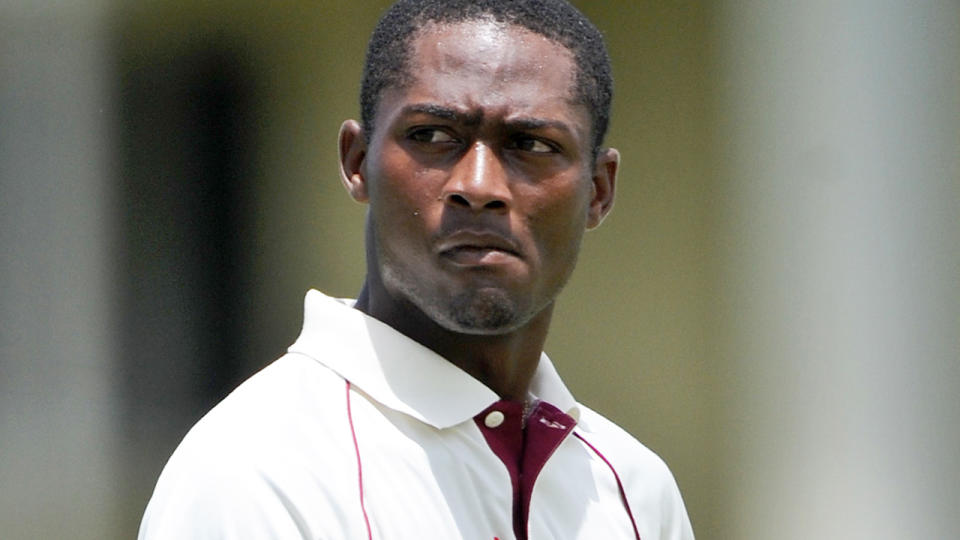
(505, 363)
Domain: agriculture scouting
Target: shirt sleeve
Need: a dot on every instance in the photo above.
(676, 522)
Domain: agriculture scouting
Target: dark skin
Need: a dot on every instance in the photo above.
(481, 182)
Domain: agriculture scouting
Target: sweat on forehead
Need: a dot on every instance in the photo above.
(511, 54)
(389, 50)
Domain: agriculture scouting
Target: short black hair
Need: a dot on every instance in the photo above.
(388, 53)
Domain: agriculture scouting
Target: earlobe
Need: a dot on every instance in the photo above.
(353, 151)
(604, 186)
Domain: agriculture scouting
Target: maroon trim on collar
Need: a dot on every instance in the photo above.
(524, 451)
(623, 493)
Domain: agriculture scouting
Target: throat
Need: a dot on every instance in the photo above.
(504, 362)
(507, 372)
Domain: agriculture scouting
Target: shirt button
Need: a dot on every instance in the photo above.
(493, 419)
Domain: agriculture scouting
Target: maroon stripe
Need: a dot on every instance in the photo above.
(356, 448)
(623, 493)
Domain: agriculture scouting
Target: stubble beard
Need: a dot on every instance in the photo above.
(484, 311)
(488, 311)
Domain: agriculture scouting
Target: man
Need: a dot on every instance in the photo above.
(426, 408)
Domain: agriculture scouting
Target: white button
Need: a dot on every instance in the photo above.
(494, 419)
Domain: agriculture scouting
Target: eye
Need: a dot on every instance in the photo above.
(533, 145)
(430, 135)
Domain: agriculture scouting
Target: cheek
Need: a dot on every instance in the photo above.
(558, 224)
(390, 191)
(399, 182)
(400, 210)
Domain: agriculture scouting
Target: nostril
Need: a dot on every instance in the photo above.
(476, 204)
(459, 200)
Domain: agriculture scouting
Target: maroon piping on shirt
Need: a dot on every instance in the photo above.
(356, 448)
(623, 493)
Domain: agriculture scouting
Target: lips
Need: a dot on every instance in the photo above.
(470, 248)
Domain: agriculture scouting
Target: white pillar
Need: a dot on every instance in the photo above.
(56, 353)
(840, 253)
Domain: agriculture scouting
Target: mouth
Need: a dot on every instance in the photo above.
(466, 248)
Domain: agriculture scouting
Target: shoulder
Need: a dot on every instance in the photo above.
(647, 481)
(282, 403)
(618, 445)
(276, 444)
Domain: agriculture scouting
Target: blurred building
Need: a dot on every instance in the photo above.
(773, 306)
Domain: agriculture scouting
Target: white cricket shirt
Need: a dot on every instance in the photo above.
(360, 432)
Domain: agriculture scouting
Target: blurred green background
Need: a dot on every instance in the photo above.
(772, 306)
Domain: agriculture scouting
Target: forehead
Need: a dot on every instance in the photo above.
(484, 47)
(490, 66)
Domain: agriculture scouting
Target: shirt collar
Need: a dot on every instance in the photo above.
(402, 374)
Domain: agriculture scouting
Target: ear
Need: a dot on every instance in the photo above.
(353, 151)
(604, 184)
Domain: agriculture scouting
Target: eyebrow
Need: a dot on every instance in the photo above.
(446, 113)
(529, 123)
(524, 123)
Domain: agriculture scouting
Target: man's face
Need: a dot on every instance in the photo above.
(480, 178)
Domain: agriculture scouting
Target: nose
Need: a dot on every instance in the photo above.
(478, 181)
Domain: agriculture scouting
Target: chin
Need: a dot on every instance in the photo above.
(478, 312)
(483, 312)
